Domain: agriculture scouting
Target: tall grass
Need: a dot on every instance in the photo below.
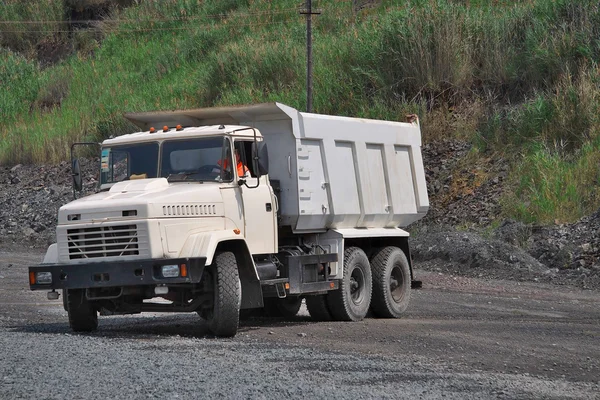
(558, 172)
(28, 26)
(552, 189)
(20, 85)
(515, 77)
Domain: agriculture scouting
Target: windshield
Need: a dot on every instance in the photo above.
(136, 161)
(196, 159)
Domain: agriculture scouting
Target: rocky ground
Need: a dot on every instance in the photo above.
(457, 234)
(30, 196)
(454, 237)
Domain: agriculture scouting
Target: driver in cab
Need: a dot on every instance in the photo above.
(242, 170)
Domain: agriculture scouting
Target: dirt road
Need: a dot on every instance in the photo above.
(462, 338)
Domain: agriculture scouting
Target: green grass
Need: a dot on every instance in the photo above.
(516, 78)
(552, 189)
(32, 25)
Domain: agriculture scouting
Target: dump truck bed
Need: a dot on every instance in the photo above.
(334, 172)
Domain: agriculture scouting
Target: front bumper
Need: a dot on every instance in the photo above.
(117, 274)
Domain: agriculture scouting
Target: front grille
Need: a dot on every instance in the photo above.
(104, 241)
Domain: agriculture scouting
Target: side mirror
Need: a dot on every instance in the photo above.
(76, 174)
(260, 160)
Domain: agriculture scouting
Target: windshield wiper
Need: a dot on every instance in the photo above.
(182, 176)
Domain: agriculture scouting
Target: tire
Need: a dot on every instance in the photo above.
(317, 308)
(287, 307)
(352, 300)
(64, 300)
(391, 283)
(82, 316)
(224, 317)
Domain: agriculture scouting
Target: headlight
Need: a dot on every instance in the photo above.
(170, 271)
(43, 278)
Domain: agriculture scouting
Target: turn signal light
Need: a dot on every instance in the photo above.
(32, 278)
(183, 269)
(287, 286)
(332, 285)
(236, 231)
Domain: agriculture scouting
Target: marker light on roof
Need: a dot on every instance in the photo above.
(179, 128)
(165, 128)
(152, 130)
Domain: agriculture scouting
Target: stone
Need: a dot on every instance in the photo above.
(586, 247)
(28, 232)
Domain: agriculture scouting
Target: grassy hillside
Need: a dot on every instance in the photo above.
(518, 79)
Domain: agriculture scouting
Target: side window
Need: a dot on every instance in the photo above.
(244, 149)
(120, 163)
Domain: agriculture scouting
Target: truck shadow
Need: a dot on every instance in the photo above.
(154, 327)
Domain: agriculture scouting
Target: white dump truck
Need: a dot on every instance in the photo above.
(221, 210)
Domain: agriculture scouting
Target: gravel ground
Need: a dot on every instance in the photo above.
(462, 338)
(59, 365)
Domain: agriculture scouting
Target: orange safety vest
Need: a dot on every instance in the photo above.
(241, 168)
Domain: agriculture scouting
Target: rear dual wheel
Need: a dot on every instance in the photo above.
(352, 300)
(318, 308)
(383, 284)
(287, 307)
(391, 282)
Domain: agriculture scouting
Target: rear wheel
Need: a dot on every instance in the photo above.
(317, 307)
(391, 283)
(287, 307)
(223, 277)
(352, 300)
(83, 317)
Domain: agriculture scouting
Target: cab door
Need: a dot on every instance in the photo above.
(259, 204)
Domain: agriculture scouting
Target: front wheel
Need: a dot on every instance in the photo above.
(83, 317)
(391, 283)
(224, 316)
(352, 300)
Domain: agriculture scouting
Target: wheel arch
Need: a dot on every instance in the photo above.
(207, 244)
(251, 289)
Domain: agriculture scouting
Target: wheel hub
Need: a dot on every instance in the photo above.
(357, 286)
(395, 283)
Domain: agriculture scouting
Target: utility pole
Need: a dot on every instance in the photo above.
(309, 85)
